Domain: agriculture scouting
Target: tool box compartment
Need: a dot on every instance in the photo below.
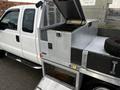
(99, 60)
(104, 64)
(60, 74)
(60, 42)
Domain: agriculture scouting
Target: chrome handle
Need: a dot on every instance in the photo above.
(114, 67)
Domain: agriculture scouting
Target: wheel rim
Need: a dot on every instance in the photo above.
(100, 88)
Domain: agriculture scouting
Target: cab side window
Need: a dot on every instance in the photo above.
(28, 20)
(10, 20)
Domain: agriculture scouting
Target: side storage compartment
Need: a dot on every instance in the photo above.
(58, 48)
(59, 44)
(103, 63)
(60, 74)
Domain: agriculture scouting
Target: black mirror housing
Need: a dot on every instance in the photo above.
(40, 3)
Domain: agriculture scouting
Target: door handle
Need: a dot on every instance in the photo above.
(17, 38)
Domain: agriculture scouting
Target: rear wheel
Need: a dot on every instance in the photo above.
(98, 85)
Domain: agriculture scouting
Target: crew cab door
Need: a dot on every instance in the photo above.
(28, 37)
(9, 32)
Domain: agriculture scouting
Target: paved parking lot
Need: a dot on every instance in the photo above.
(16, 76)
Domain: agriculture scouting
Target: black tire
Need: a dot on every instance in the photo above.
(112, 46)
(98, 85)
(2, 53)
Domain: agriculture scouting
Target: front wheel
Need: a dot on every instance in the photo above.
(98, 85)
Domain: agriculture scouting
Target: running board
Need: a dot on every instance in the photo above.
(24, 61)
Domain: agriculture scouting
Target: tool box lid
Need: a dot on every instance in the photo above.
(70, 9)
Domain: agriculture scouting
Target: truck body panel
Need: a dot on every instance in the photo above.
(23, 39)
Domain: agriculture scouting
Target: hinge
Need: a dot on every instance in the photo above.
(76, 22)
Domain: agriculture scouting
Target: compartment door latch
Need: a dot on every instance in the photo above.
(113, 67)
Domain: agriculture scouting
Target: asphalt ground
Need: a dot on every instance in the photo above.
(16, 76)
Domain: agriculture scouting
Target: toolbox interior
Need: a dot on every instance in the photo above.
(66, 27)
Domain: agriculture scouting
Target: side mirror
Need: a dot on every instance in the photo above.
(40, 3)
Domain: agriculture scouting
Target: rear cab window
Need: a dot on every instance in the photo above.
(28, 20)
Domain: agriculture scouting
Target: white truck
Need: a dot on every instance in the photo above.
(67, 49)
(19, 29)
(20, 34)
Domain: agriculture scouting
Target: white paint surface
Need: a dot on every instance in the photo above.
(88, 2)
(116, 4)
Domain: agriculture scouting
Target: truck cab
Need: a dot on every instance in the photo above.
(19, 32)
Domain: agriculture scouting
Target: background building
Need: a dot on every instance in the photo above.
(5, 4)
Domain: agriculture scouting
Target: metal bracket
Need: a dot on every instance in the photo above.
(84, 58)
(114, 67)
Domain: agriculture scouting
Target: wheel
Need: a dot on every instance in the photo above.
(2, 53)
(112, 46)
(98, 85)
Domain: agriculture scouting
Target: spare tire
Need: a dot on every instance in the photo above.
(112, 46)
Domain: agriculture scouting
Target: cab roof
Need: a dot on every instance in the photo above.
(23, 6)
